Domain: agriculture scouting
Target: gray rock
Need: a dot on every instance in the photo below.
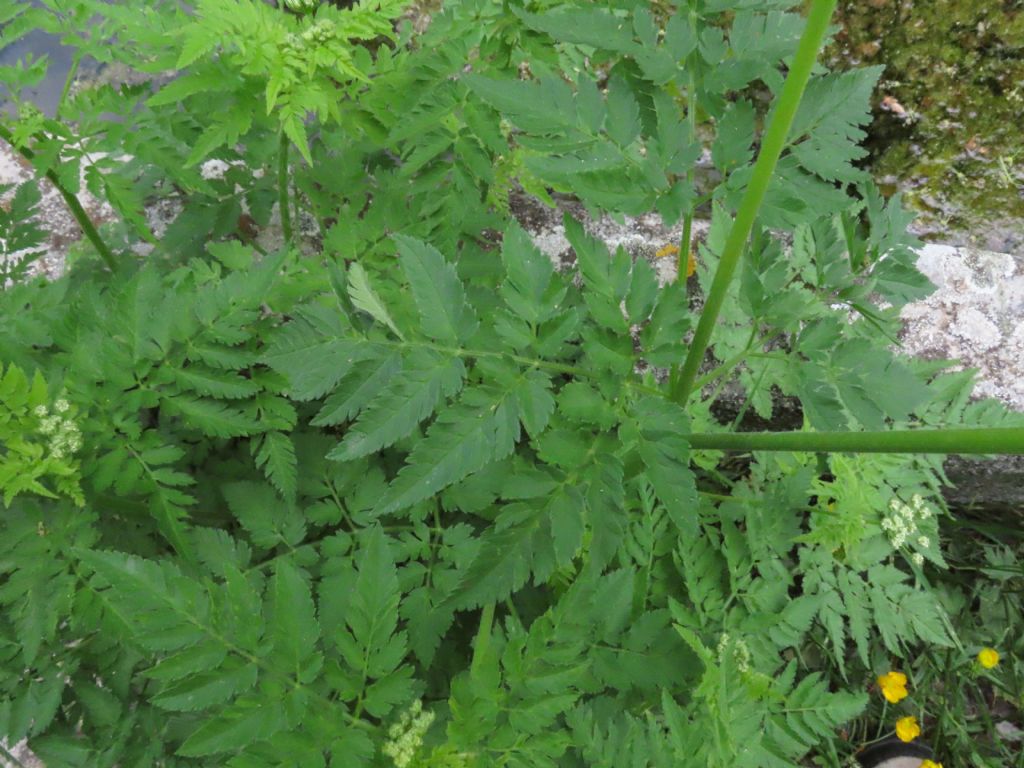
(976, 315)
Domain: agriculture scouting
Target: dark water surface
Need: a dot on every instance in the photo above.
(46, 95)
(36, 43)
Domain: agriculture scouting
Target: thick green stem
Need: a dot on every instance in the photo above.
(772, 144)
(282, 189)
(84, 222)
(483, 638)
(998, 440)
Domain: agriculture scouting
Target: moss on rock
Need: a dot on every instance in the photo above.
(949, 110)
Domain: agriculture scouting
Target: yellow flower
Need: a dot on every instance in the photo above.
(894, 686)
(930, 764)
(907, 728)
(988, 657)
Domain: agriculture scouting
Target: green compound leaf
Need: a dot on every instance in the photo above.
(294, 630)
(212, 417)
(483, 427)
(371, 644)
(444, 314)
(315, 351)
(276, 457)
(665, 453)
(411, 396)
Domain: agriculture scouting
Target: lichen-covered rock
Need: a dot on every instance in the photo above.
(976, 315)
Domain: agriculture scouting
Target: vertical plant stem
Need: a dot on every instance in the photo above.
(72, 73)
(84, 222)
(772, 144)
(483, 638)
(282, 188)
(882, 720)
(683, 260)
(748, 400)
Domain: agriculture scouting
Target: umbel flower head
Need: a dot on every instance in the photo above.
(901, 524)
(64, 436)
(988, 657)
(405, 737)
(907, 728)
(894, 686)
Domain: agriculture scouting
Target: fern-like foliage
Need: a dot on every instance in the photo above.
(416, 497)
(20, 235)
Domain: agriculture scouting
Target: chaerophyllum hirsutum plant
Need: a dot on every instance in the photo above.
(404, 493)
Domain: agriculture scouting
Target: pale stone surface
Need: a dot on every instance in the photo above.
(976, 315)
(22, 754)
(63, 230)
(60, 224)
(641, 236)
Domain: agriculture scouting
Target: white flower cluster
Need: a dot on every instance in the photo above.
(902, 524)
(740, 651)
(65, 437)
(406, 736)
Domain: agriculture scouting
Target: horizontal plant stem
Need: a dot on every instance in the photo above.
(772, 144)
(84, 222)
(997, 440)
